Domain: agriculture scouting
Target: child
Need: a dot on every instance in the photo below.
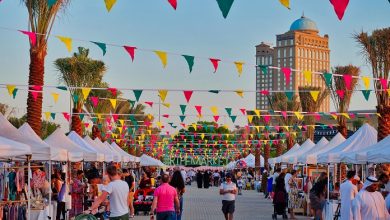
(240, 183)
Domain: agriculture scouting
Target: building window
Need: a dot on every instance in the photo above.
(291, 41)
(279, 53)
(284, 52)
(291, 52)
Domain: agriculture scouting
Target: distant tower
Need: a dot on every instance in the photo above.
(300, 48)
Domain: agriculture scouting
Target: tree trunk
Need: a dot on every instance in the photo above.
(279, 149)
(257, 160)
(343, 130)
(76, 122)
(383, 121)
(267, 152)
(290, 142)
(36, 78)
(96, 132)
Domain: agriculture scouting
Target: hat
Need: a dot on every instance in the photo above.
(369, 181)
(356, 177)
(228, 175)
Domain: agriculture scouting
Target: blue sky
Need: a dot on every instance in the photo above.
(196, 28)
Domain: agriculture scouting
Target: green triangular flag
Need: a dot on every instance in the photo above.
(75, 98)
(102, 46)
(14, 93)
(132, 118)
(51, 2)
(132, 103)
(289, 95)
(62, 88)
(100, 126)
(103, 134)
(137, 94)
(94, 120)
(182, 117)
(328, 79)
(229, 111)
(233, 117)
(366, 94)
(264, 69)
(53, 115)
(214, 91)
(81, 116)
(190, 61)
(225, 6)
(267, 127)
(183, 109)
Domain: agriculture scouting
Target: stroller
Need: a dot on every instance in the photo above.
(280, 204)
(143, 199)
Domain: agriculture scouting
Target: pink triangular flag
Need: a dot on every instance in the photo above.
(113, 91)
(187, 95)
(86, 124)
(165, 116)
(34, 95)
(115, 117)
(66, 115)
(149, 103)
(264, 92)
(287, 73)
(198, 109)
(317, 116)
(348, 81)
(215, 63)
(147, 123)
(383, 83)
(94, 100)
(305, 127)
(173, 3)
(284, 113)
(340, 93)
(243, 110)
(339, 7)
(330, 126)
(36, 88)
(277, 127)
(267, 118)
(216, 117)
(131, 51)
(31, 35)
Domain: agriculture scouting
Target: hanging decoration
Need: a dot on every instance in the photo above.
(225, 6)
(339, 7)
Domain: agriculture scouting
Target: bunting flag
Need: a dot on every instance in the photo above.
(216, 117)
(50, 3)
(348, 81)
(14, 93)
(109, 4)
(55, 96)
(307, 74)
(250, 118)
(67, 41)
(366, 94)
(267, 118)
(229, 111)
(264, 92)
(130, 51)
(32, 37)
(187, 95)
(340, 93)
(11, 89)
(214, 91)
(285, 3)
(66, 115)
(366, 82)
(150, 104)
(257, 112)
(64, 88)
(225, 6)
(199, 109)
(214, 110)
(215, 63)
(113, 103)
(289, 95)
(233, 117)
(47, 115)
(132, 103)
(137, 94)
(173, 3)
(113, 91)
(239, 67)
(190, 61)
(328, 79)
(183, 109)
(166, 104)
(299, 115)
(163, 57)
(240, 93)
(384, 83)
(284, 113)
(163, 94)
(75, 98)
(102, 46)
(243, 111)
(34, 95)
(264, 69)
(314, 95)
(339, 7)
(165, 115)
(85, 92)
(182, 117)
(94, 100)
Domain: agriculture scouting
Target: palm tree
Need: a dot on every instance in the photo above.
(41, 19)
(376, 50)
(342, 103)
(79, 71)
(309, 105)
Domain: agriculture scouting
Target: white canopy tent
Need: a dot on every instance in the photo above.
(10, 149)
(126, 156)
(380, 155)
(279, 158)
(98, 156)
(320, 144)
(101, 148)
(293, 158)
(150, 161)
(75, 152)
(117, 155)
(250, 160)
(55, 153)
(365, 136)
(336, 140)
(231, 165)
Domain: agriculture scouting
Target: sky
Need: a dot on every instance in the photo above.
(196, 28)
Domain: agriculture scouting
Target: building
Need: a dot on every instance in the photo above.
(300, 48)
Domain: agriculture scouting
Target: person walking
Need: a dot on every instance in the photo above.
(228, 190)
(348, 192)
(293, 199)
(317, 197)
(118, 192)
(165, 201)
(178, 182)
(199, 179)
(78, 189)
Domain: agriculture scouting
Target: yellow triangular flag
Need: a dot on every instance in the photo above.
(214, 110)
(257, 112)
(55, 96)
(345, 115)
(388, 92)
(240, 93)
(67, 41)
(314, 95)
(226, 126)
(366, 81)
(250, 118)
(86, 92)
(11, 89)
(159, 124)
(113, 102)
(163, 57)
(47, 115)
(109, 4)
(122, 122)
(99, 116)
(239, 67)
(378, 114)
(163, 94)
(149, 132)
(285, 3)
(120, 130)
(334, 116)
(202, 136)
(167, 105)
(257, 128)
(307, 74)
(299, 115)
(150, 116)
(194, 126)
(286, 127)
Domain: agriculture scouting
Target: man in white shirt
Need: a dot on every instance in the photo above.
(286, 179)
(183, 174)
(118, 190)
(228, 190)
(348, 191)
(370, 204)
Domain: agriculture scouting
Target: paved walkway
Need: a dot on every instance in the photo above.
(205, 204)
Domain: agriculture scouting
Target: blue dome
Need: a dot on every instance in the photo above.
(303, 24)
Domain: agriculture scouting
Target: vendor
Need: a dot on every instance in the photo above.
(145, 182)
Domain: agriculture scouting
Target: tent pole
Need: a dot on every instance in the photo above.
(29, 188)
(328, 181)
(50, 191)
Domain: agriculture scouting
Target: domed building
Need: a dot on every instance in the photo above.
(300, 48)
